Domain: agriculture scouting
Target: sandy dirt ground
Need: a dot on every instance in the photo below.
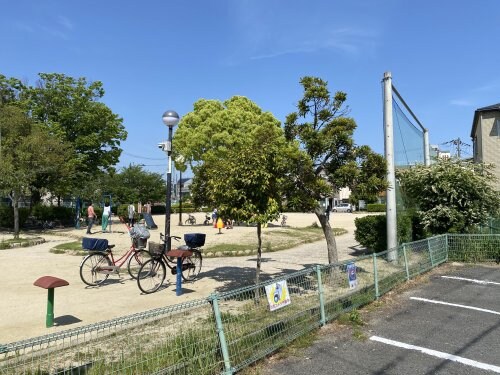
(24, 305)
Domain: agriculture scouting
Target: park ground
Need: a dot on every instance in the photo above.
(24, 305)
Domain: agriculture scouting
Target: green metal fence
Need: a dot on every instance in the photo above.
(226, 332)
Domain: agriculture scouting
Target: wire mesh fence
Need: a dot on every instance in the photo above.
(226, 332)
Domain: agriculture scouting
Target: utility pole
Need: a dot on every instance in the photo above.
(457, 143)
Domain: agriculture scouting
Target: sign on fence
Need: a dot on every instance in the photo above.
(277, 295)
(351, 275)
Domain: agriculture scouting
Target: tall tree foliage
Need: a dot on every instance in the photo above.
(450, 195)
(70, 108)
(325, 132)
(240, 160)
(27, 152)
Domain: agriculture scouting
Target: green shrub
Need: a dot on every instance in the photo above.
(65, 215)
(375, 207)
(371, 231)
(7, 216)
(157, 210)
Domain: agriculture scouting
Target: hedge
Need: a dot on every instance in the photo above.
(375, 207)
(371, 231)
(7, 216)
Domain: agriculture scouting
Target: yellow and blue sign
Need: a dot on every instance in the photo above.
(277, 295)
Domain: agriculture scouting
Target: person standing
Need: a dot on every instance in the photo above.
(90, 217)
(106, 213)
(214, 217)
(131, 214)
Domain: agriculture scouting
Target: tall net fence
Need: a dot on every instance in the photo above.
(409, 150)
(408, 137)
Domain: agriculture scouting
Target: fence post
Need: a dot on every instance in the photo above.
(430, 252)
(375, 275)
(214, 300)
(406, 263)
(321, 297)
(446, 246)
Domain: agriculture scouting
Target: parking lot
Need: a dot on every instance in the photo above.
(449, 325)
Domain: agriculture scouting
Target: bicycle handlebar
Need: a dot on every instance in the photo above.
(162, 237)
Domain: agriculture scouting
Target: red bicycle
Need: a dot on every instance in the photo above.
(96, 267)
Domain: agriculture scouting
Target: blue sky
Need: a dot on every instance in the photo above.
(157, 55)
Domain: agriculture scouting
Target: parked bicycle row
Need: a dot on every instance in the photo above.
(147, 265)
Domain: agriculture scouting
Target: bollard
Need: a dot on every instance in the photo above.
(180, 255)
(49, 283)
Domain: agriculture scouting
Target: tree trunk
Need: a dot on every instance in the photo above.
(15, 205)
(333, 256)
(259, 252)
(259, 259)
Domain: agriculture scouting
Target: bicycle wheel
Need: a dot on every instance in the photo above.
(136, 260)
(95, 269)
(191, 266)
(151, 276)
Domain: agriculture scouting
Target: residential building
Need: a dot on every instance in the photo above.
(485, 136)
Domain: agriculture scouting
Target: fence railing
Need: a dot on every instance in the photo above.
(226, 332)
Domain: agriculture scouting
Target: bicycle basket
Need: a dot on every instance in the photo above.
(140, 243)
(194, 239)
(94, 244)
(155, 249)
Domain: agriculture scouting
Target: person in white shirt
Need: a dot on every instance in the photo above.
(106, 214)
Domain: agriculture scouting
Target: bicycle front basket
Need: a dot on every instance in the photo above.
(194, 239)
(155, 249)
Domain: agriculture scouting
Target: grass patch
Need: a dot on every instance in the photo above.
(73, 248)
(15, 242)
(273, 240)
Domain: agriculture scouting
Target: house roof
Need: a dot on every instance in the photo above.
(490, 108)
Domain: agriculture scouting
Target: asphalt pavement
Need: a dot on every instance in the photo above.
(449, 325)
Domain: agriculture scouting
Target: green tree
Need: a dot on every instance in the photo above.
(450, 195)
(27, 151)
(326, 134)
(70, 108)
(133, 184)
(240, 160)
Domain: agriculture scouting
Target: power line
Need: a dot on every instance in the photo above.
(141, 157)
(457, 143)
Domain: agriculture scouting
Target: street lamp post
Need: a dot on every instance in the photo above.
(170, 119)
(180, 198)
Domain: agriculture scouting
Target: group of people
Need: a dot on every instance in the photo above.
(106, 215)
(91, 216)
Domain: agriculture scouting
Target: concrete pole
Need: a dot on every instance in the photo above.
(392, 241)
(427, 155)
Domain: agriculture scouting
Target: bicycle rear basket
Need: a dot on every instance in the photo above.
(194, 239)
(94, 244)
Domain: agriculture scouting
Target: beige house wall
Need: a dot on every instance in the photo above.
(487, 143)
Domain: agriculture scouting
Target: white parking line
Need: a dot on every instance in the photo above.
(455, 305)
(435, 353)
(484, 282)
